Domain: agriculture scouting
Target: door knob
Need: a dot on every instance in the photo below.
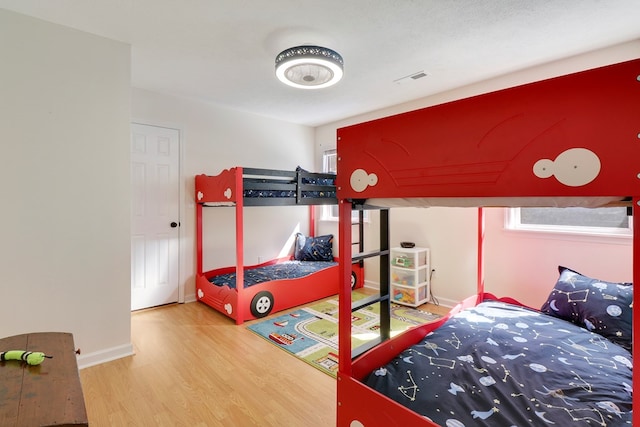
(174, 224)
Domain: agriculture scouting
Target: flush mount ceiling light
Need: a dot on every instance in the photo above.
(309, 67)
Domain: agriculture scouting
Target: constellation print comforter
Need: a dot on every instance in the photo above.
(279, 271)
(502, 365)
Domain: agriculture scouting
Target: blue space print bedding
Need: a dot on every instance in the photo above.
(283, 270)
(328, 192)
(288, 193)
(503, 365)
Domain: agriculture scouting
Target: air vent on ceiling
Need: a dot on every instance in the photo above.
(411, 77)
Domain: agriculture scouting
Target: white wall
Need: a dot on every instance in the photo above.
(64, 181)
(524, 265)
(516, 264)
(214, 139)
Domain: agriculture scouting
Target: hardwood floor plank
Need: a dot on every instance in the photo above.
(195, 367)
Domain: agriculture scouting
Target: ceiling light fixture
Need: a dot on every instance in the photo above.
(309, 67)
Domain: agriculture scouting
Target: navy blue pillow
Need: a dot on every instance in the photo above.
(601, 307)
(313, 248)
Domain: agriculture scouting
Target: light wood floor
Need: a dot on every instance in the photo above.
(194, 367)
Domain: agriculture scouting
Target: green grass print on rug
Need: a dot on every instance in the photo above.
(311, 333)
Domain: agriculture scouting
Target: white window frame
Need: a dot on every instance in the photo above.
(512, 223)
(327, 210)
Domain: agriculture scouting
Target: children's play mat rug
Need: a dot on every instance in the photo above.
(311, 333)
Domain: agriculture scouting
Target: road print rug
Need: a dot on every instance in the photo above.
(311, 333)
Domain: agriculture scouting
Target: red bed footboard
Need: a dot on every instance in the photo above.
(220, 188)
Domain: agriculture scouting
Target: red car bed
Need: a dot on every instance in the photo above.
(278, 284)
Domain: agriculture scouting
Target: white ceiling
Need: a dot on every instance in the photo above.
(223, 51)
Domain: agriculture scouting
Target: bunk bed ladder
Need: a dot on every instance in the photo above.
(383, 296)
(360, 224)
(360, 242)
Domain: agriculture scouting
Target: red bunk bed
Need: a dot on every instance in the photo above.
(568, 141)
(280, 283)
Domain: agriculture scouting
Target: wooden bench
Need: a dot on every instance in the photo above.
(43, 395)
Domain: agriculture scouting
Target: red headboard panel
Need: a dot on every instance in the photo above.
(575, 135)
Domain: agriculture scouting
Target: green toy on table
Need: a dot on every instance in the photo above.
(31, 357)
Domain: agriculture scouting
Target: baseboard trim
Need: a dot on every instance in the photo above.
(371, 285)
(103, 356)
(449, 303)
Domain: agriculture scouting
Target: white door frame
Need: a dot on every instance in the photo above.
(181, 207)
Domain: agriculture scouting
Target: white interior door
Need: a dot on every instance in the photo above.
(155, 223)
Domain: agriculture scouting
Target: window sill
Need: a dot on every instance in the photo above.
(624, 237)
(329, 219)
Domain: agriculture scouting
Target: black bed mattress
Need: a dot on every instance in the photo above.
(283, 270)
(503, 365)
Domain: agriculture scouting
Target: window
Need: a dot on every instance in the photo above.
(330, 161)
(330, 164)
(611, 221)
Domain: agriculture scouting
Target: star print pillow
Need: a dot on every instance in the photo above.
(313, 248)
(601, 307)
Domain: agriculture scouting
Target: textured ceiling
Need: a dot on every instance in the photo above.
(223, 51)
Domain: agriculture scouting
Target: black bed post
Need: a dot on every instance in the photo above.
(385, 306)
(635, 325)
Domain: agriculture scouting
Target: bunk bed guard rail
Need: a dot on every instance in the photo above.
(266, 187)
